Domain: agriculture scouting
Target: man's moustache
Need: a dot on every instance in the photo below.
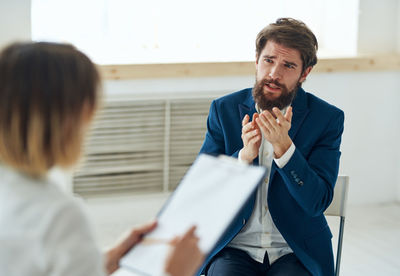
(266, 81)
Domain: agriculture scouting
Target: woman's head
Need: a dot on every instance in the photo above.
(48, 93)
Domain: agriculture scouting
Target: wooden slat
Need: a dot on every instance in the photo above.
(215, 69)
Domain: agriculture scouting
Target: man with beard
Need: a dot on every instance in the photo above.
(281, 230)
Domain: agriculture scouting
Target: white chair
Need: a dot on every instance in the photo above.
(338, 208)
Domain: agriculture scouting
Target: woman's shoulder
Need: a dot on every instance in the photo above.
(54, 223)
(36, 204)
(24, 196)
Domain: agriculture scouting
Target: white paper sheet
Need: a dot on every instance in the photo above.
(209, 196)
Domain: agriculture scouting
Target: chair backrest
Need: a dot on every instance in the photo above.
(338, 205)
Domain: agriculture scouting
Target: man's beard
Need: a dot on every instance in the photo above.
(284, 100)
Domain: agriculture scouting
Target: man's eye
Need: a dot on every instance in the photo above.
(268, 60)
(291, 66)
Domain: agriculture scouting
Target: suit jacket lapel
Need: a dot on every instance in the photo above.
(248, 107)
(300, 111)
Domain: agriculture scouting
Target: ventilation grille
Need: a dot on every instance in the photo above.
(141, 145)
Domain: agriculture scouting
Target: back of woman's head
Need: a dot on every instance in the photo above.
(48, 93)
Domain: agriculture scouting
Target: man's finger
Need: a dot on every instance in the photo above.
(278, 115)
(245, 120)
(247, 127)
(269, 121)
(254, 140)
(289, 114)
(249, 135)
(255, 116)
(263, 125)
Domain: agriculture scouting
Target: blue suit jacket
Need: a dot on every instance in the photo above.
(299, 193)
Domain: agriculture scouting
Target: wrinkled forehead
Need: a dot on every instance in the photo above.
(273, 49)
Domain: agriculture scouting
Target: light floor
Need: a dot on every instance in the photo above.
(371, 237)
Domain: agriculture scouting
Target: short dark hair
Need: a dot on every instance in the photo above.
(47, 92)
(293, 34)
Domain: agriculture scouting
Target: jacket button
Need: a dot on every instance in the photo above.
(244, 221)
(301, 183)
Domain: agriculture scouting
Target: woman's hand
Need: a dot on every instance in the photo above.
(113, 255)
(185, 256)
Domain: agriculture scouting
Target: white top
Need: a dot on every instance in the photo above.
(43, 231)
(260, 234)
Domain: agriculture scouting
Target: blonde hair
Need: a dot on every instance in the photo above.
(48, 92)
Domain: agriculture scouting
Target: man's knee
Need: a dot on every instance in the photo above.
(288, 265)
(230, 262)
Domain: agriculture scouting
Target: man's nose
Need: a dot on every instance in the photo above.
(275, 73)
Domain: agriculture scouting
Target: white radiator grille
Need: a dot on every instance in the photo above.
(138, 145)
(187, 130)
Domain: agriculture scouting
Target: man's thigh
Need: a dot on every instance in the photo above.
(288, 265)
(234, 262)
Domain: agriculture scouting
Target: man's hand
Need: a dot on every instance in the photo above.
(251, 137)
(276, 131)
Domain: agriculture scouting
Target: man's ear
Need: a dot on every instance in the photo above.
(305, 74)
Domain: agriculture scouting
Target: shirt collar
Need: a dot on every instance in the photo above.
(259, 110)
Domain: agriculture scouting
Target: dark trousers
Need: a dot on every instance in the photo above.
(236, 262)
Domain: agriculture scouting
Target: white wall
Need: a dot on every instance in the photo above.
(371, 152)
(397, 35)
(398, 148)
(15, 21)
(378, 23)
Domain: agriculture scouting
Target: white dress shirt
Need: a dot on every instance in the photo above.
(260, 234)
(43, 231)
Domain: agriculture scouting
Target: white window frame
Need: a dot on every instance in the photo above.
(184, 31)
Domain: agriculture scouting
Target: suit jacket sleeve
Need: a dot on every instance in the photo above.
(311, 179)
(215, 140)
